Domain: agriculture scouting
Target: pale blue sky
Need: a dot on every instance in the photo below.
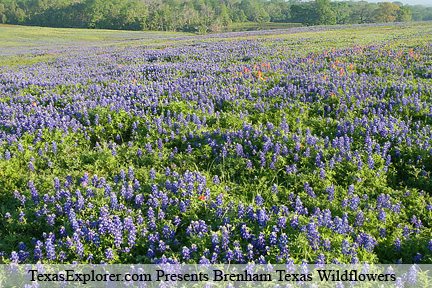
(409, 2)
(427, 3)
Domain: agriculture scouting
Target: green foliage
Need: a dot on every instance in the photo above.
(200, 16)
(387, 12)
(323, 13)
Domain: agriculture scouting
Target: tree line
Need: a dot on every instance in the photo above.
(200, 15)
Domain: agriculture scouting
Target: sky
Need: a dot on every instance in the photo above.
(409, 2)
(427, 3)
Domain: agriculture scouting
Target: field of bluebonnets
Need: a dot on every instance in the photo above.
(285, 146)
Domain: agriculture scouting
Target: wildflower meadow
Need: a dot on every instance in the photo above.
(303, 145)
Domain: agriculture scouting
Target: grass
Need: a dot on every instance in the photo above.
(14, 39)
(14, 35)
(237, 27)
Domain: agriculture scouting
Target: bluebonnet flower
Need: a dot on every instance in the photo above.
(122, 175)
(417, 224)
(320, 260)
(152, 174)
(238, 255)
(327, 244)
(162, 246)
(204, 261)
(281, 222)
(139, 200)
(225, 237)
(7, 155)
(313, 235)
(330, 191)
(244, 232)
(366, 241)
(354, 202)
(240, 211)
(261, 260)
(38, 254)
(275, 189)
(309, 190)
(14, 257)
(186, 253)
(259, 200)
(299, 209)
(411, 277)
(198, 228)
(382, 216)
(51, 219)
(50, 250)
(219, 200)
(132, 231)
(22, 246)
(344, 202)
(21, 218)
(429, 247)
(109, 254)
(249, 164)
(346, 248)
(295, 221)
(114, 201)
(351, 190)
(397, 244)
(417, 258)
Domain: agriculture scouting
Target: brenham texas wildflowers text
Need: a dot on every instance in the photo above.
(217, 276)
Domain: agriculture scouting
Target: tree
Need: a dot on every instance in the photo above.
(207, 14)
(404, 14)
(200, 15)
(342, 12)
(2, 14)
(275, 12)
(216, 26)
(93, 12)
(248, 9)
(242, 16)
(190, 17)
(302, 14)
(285, 10)
(387, 12)
(224, 16)
(323, 13)
(363, 12)
(19, 16)
(153, 22)
(262, 16)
